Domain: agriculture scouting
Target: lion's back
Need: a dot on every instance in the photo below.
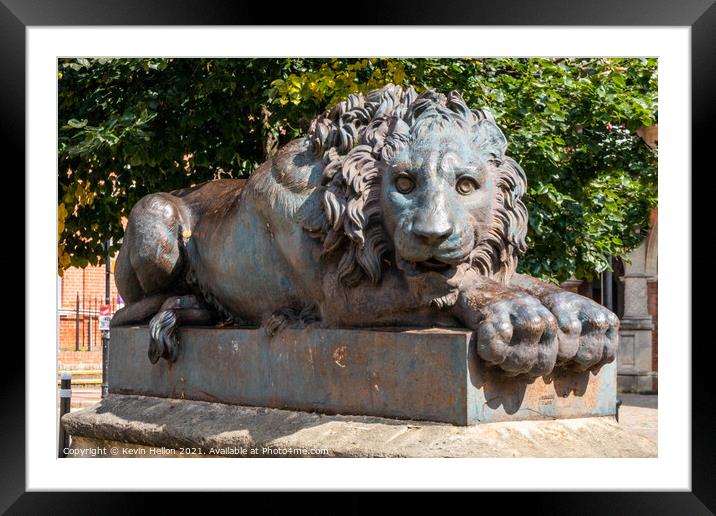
(211, 195)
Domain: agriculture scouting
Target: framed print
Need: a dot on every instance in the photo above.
(49, 41)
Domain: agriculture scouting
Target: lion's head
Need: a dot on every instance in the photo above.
(421, 175)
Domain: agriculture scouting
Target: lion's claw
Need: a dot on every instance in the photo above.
(519, 336)
(588, 332)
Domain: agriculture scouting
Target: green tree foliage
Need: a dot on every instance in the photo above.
(129, 127)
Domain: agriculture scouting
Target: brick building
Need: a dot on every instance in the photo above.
(80, 294)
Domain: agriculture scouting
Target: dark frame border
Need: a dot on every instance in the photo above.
(700, 15)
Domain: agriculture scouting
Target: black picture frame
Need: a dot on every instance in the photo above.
(700, 15)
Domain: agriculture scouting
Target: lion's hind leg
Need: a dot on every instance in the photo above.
(138, 312)
(150, 274)
(152, 258)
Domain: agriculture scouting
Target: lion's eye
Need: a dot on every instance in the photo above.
(404, 184)
(466, 185)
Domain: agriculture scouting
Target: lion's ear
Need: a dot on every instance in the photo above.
(490, 139)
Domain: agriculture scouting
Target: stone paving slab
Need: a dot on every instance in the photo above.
(145, 423)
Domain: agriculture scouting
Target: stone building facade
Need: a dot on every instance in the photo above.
(636, 302)
(639, 334)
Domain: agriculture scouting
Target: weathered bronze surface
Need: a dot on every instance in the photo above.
(421, 374)
(396, 209)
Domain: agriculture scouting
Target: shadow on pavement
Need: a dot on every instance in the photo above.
(639, 400)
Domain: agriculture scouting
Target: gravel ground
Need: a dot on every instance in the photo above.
(215, 428)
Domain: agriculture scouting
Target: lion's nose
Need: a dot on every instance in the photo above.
(433, 232)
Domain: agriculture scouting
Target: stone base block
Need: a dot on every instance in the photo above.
(419, 374)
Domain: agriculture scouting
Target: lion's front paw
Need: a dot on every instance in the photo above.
(588, 333)
(519, 336)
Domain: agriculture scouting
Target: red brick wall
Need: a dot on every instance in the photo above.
(88, 282)
(88, 285)
(89, 335)
(653, 303)
(74, 361)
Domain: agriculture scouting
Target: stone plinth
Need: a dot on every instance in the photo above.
(425, 374)
(146, 427)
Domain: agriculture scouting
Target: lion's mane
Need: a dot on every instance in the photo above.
(359, 136)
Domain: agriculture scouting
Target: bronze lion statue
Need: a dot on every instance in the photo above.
(396, 209)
